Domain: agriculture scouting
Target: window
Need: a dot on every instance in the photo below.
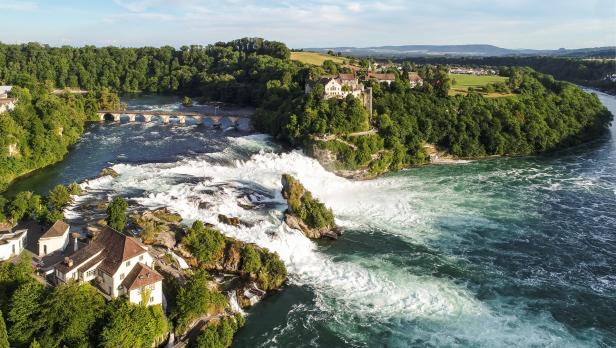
(127, 263)
(152, 299)
(121, 276)
(91, 273)
(44, 249)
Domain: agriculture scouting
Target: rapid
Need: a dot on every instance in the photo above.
(504, 252)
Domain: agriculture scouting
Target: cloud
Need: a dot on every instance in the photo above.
(138, 16)
(137, 5)
(317, 23)
(12, 5)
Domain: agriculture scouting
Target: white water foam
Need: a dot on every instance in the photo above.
(382, 292)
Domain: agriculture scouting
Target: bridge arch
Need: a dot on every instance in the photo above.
(226, 122)
(108, 117)
(141, 118)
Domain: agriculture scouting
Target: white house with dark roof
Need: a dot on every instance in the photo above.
(118, 265)
(12, 243)
(338, 86)
(387, 78)
(55, 239)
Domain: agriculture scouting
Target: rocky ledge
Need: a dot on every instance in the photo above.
(306, 213)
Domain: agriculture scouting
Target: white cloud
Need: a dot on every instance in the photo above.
(18, 5)
(354, 7)
(137, 5)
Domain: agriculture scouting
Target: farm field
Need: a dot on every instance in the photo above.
(460, 83)
(314, 58)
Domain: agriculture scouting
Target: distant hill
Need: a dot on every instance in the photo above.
(466, 50)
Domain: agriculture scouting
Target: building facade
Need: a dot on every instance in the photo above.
(12, 243)
(117, 265)
(339, 86)
(55, 239)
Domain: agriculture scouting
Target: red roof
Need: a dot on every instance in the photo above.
(114, 248)
(382, 77)
(118, 248)
(56, 230)
(346, 77)
(140, 276)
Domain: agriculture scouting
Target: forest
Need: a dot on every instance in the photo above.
(542, 115)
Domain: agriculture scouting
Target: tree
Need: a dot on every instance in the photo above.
(74, 189)
(59, 197)
(19, 206)
(273, 273)
(52, 216)
(251, 261)
(129, 325)
(196, 298)
(186, 101)
(25, 309)
(220, 334)
(116, 214)
(69, 315)
(206, 244)
(4, 338)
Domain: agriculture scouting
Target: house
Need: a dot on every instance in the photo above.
(11, 243)
(4, 91)
(117, 265)
(382, 78)
(338, 86)
(415, 80)
(55, 239)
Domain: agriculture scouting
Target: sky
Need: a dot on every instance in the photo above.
(538, 24)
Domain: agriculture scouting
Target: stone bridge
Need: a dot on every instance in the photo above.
(166, 116)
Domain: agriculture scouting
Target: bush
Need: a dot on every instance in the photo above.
(128, 325)
(301, 203)
(59, 197)
(273, 273)
(206, 244)
(251, 262)
(219, 335)
(196, 298)
(116, 214)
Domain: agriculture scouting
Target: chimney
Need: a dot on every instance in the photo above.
(76, 243)
(68, 261)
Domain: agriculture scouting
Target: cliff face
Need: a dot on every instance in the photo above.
(306, 213)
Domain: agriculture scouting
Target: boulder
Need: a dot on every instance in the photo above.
(232, 257)
(313, 233)
(109, 171)
(231, 221)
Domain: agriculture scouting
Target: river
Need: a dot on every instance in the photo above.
(504, 252)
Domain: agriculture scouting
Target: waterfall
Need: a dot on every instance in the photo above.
(235, 306)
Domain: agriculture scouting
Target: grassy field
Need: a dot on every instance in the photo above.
(464, 81)
(314, 58)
